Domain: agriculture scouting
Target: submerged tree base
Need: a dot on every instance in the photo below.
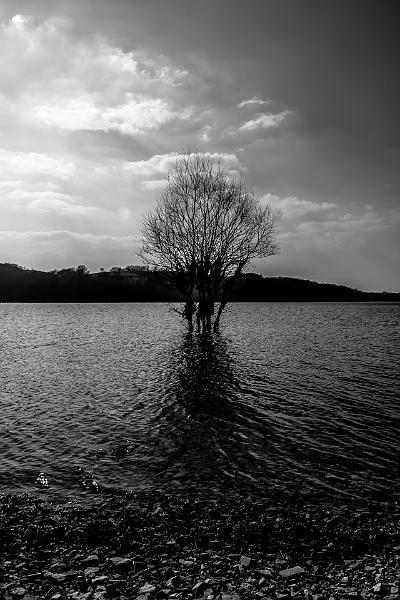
(185, 546)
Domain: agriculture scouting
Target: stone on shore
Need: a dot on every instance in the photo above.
(291, 572)
(191, 548)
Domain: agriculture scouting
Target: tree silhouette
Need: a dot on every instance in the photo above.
(205, 229)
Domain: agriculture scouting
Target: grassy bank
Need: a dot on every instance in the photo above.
(183, 546)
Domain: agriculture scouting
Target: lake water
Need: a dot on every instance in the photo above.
(290, 399)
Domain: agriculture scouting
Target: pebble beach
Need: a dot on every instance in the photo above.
(182, 546)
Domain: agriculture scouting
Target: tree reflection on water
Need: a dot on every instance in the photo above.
(203, 426)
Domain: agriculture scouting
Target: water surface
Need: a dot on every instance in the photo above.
(289, 399)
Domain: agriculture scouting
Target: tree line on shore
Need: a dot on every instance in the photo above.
(76, 284)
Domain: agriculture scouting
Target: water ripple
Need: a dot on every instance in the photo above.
(289, 399)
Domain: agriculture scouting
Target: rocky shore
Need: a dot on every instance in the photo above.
(182, 546)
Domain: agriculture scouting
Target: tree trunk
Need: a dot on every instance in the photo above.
(188, 312)
(221, 307)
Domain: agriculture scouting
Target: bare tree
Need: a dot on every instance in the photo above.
(204, 230)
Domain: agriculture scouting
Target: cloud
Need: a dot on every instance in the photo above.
(135, 116)
(155, 169)
(63, 234)
(264, 121)
(47, 202)
(16, 163)
(160, 164)
(253, 101)
(347, 227)
(306, 224)
(124, 213)
(63, 248)
(56, 80)
(154, 184)
(325, 241)
(291, 207)
(59, 82)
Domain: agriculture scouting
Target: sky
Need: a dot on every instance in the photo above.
(300, 98)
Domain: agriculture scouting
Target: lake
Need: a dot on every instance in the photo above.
(289, 400)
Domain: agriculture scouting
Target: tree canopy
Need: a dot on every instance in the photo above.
(205, 229)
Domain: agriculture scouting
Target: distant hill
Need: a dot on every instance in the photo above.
(76, 284)
(253, 287)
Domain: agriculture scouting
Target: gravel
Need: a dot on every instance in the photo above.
(171, 546)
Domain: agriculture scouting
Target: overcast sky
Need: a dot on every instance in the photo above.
(301, 97)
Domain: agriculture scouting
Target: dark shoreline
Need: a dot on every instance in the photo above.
(364, 302)
(135, 284)
(187, 545)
